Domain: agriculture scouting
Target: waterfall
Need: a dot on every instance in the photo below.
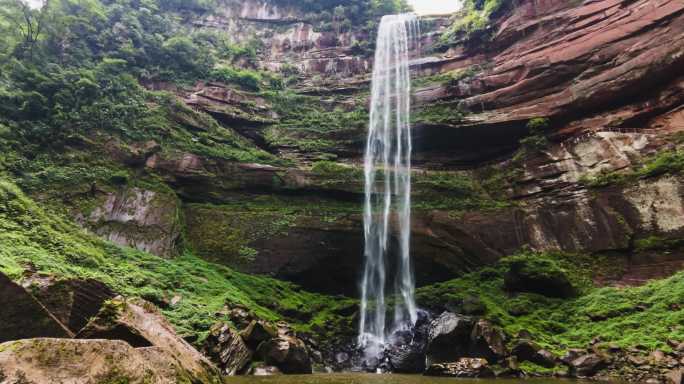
(387, 170)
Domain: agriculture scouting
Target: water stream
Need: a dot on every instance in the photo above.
(387, 170)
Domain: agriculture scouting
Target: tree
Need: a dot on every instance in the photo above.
(26, 22)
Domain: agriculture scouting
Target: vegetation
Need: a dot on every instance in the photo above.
(474, 21)
(647, 315)
(665, 162)
(29, 235)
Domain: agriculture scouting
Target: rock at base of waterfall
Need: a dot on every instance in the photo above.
(288, 353)
(464, 367)
(587, 365)
(225, 347)
(261, 369)
(487, 341)
(448, 337)
(406, 359)
(257, 332)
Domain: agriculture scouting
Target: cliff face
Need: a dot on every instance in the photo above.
(557, 130)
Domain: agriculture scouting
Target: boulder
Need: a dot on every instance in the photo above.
(675, 376)
(226, 348)
(140, 324)
(240, 316)
(537, 275)
(525, 350)
(448, 338)
(73, 302)
(464, 367)
(586, 365)
(257, 332)
(487, 341)
(288, 353)
(46, 360)
(406, 358)
(23, 316)
(571, 355)
(544, 358)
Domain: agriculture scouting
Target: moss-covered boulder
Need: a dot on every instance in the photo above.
(531, 273)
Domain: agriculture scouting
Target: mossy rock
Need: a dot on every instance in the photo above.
(530, 273)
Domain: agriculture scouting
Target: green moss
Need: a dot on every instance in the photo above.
(647, 315)
(30, 235)
(665, 162)
(474, 21)
(657, 243)
(312, 126)
(439, 113)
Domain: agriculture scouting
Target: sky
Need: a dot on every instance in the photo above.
(426, 7)
(422, 7)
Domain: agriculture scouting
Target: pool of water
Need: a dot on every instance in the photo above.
(360, 378)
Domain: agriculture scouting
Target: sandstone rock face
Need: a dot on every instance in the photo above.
(225, 346)
(141, 325)
(138, 218)
(465, 367)
(72, 302)
(87, 361)
(23, 316)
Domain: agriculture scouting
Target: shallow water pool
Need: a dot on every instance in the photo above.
(362, 378)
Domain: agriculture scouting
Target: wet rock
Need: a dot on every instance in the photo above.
(226, 348)
(464, 367)
(448, 338)
(572, 354)
(341, 357)
(258, 331)
(525, 350)
(264, 370)
(487, 341)
(22, 316)
(288, 353)
(544, 358)
(91, 361)
(140, 323)
(587, 365)
(406, 359)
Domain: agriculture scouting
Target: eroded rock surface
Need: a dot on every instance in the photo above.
(22, 316)
(45, 360)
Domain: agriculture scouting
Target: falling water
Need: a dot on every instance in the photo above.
(388, 184)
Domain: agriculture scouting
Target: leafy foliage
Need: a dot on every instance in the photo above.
(474, 21)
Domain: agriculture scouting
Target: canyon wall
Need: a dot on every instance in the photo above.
(535, 134)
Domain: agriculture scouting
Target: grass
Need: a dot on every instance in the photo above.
(30, 235)
(664, 162)
(648, 315)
